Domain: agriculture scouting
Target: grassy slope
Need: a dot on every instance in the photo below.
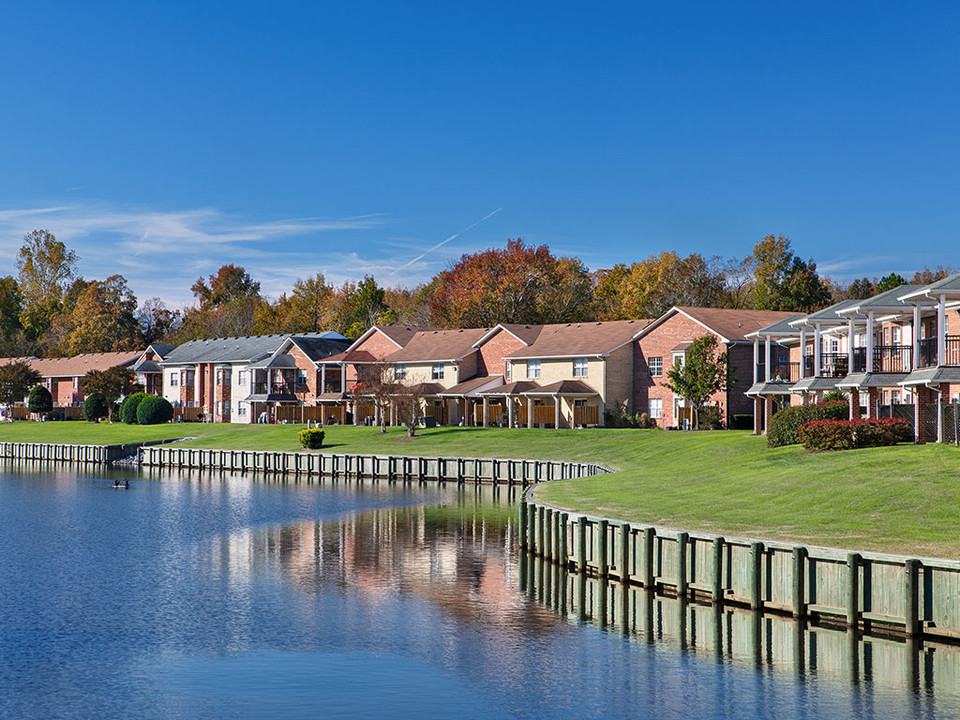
(902, 499)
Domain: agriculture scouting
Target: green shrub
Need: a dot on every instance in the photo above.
(154, 410)
(742, 422)
(312, 439)
(128, 408)
(849, 434)
(39, 400)
(709, 418)
(95, 407)
(784, 426)
(835, 396)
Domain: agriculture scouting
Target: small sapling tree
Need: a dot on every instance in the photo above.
(704, 372)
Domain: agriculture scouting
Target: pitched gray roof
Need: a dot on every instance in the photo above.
(320, 347)
(949, 285)
(828, 314)
(239, 349)
(885, 300)
(780, 328)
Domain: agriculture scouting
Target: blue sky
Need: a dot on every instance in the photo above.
(163, 139)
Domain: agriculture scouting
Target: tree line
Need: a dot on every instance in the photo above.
(47, 309)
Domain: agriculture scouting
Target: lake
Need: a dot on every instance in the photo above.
(224, 596)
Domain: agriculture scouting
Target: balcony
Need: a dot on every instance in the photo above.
(262, 388)
(832, 365)
(928, 352)
(785, 372)
(892, 359)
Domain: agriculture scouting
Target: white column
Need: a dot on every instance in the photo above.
(803, 351)
(486, 411)
(816, 350)
(603, 412)
(940, 413)
(343, 377)
(942, 331)
(756, 359)
(850, 345)
(915, 335)
(766, 359)
(870, 341)
(323, 379)
(556, 412)
(529, 412)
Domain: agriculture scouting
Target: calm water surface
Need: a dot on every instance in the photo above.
(229, 597)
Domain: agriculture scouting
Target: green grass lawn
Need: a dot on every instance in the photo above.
(904, 499)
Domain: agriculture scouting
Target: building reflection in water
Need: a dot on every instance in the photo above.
(462, 558)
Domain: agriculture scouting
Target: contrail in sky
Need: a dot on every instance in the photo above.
(444, 242)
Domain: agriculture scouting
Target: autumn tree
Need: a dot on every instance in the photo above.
(104, 318)
(783, 281)
(409, 399)
(16, 379)
(227, 306)
(738, 277)
(517, 284)
(931, 275)
(112, 384)
(45, 267)
(653, 286)
(703, 373)
(380, 385)
(606, 292)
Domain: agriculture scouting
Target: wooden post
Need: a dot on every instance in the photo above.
(718, 570)
(649, 540)
(853, 590)
(756, 575)
(582, 544)
(682, 541)
(531, 527)
(540, 517)
(626, 538)
(548, 535)
(799, 563)
(911, 586)
(564, 525)
(602, 565)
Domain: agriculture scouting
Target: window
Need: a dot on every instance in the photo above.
(656, 366)
(189, 380)
(301, 377)
(399, 372)
(242, 377)
(241, 408)
(509, 370)
(533, 368)
(437, 373)
(678, 359)
(834, 346)
(895, 397)
(226, 409)
(580, 367)
(886, 336)
(227, 377)
(656, 408)
(896, 335)
(174, 379)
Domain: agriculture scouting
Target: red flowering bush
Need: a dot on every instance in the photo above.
(849, 434)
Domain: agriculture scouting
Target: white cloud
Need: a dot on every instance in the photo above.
(161, 253)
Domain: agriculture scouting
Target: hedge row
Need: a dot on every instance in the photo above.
(850, 434)
(784, 426)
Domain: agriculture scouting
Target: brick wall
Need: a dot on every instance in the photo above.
(492, 353)
(660, 342)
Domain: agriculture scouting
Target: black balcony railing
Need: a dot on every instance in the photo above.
(262, 388)
(928, 352)
(832, 364)
(782, 372)
(892, 359)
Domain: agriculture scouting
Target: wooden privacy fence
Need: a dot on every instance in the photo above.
(494, 413)
(586, 415)
(300, 414)
(872, 591)
(544, 414)
(186, 414)
(385, 467)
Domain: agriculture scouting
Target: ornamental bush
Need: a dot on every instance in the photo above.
(849, 434)
(784, 426)
(154, 410)
(312, 439)
(94, 407)
(128, 408)
(39, 400)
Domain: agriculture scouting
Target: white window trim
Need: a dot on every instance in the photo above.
(581, 367)
(533, 369)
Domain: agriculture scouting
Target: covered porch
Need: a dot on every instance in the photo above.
(564, 404)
